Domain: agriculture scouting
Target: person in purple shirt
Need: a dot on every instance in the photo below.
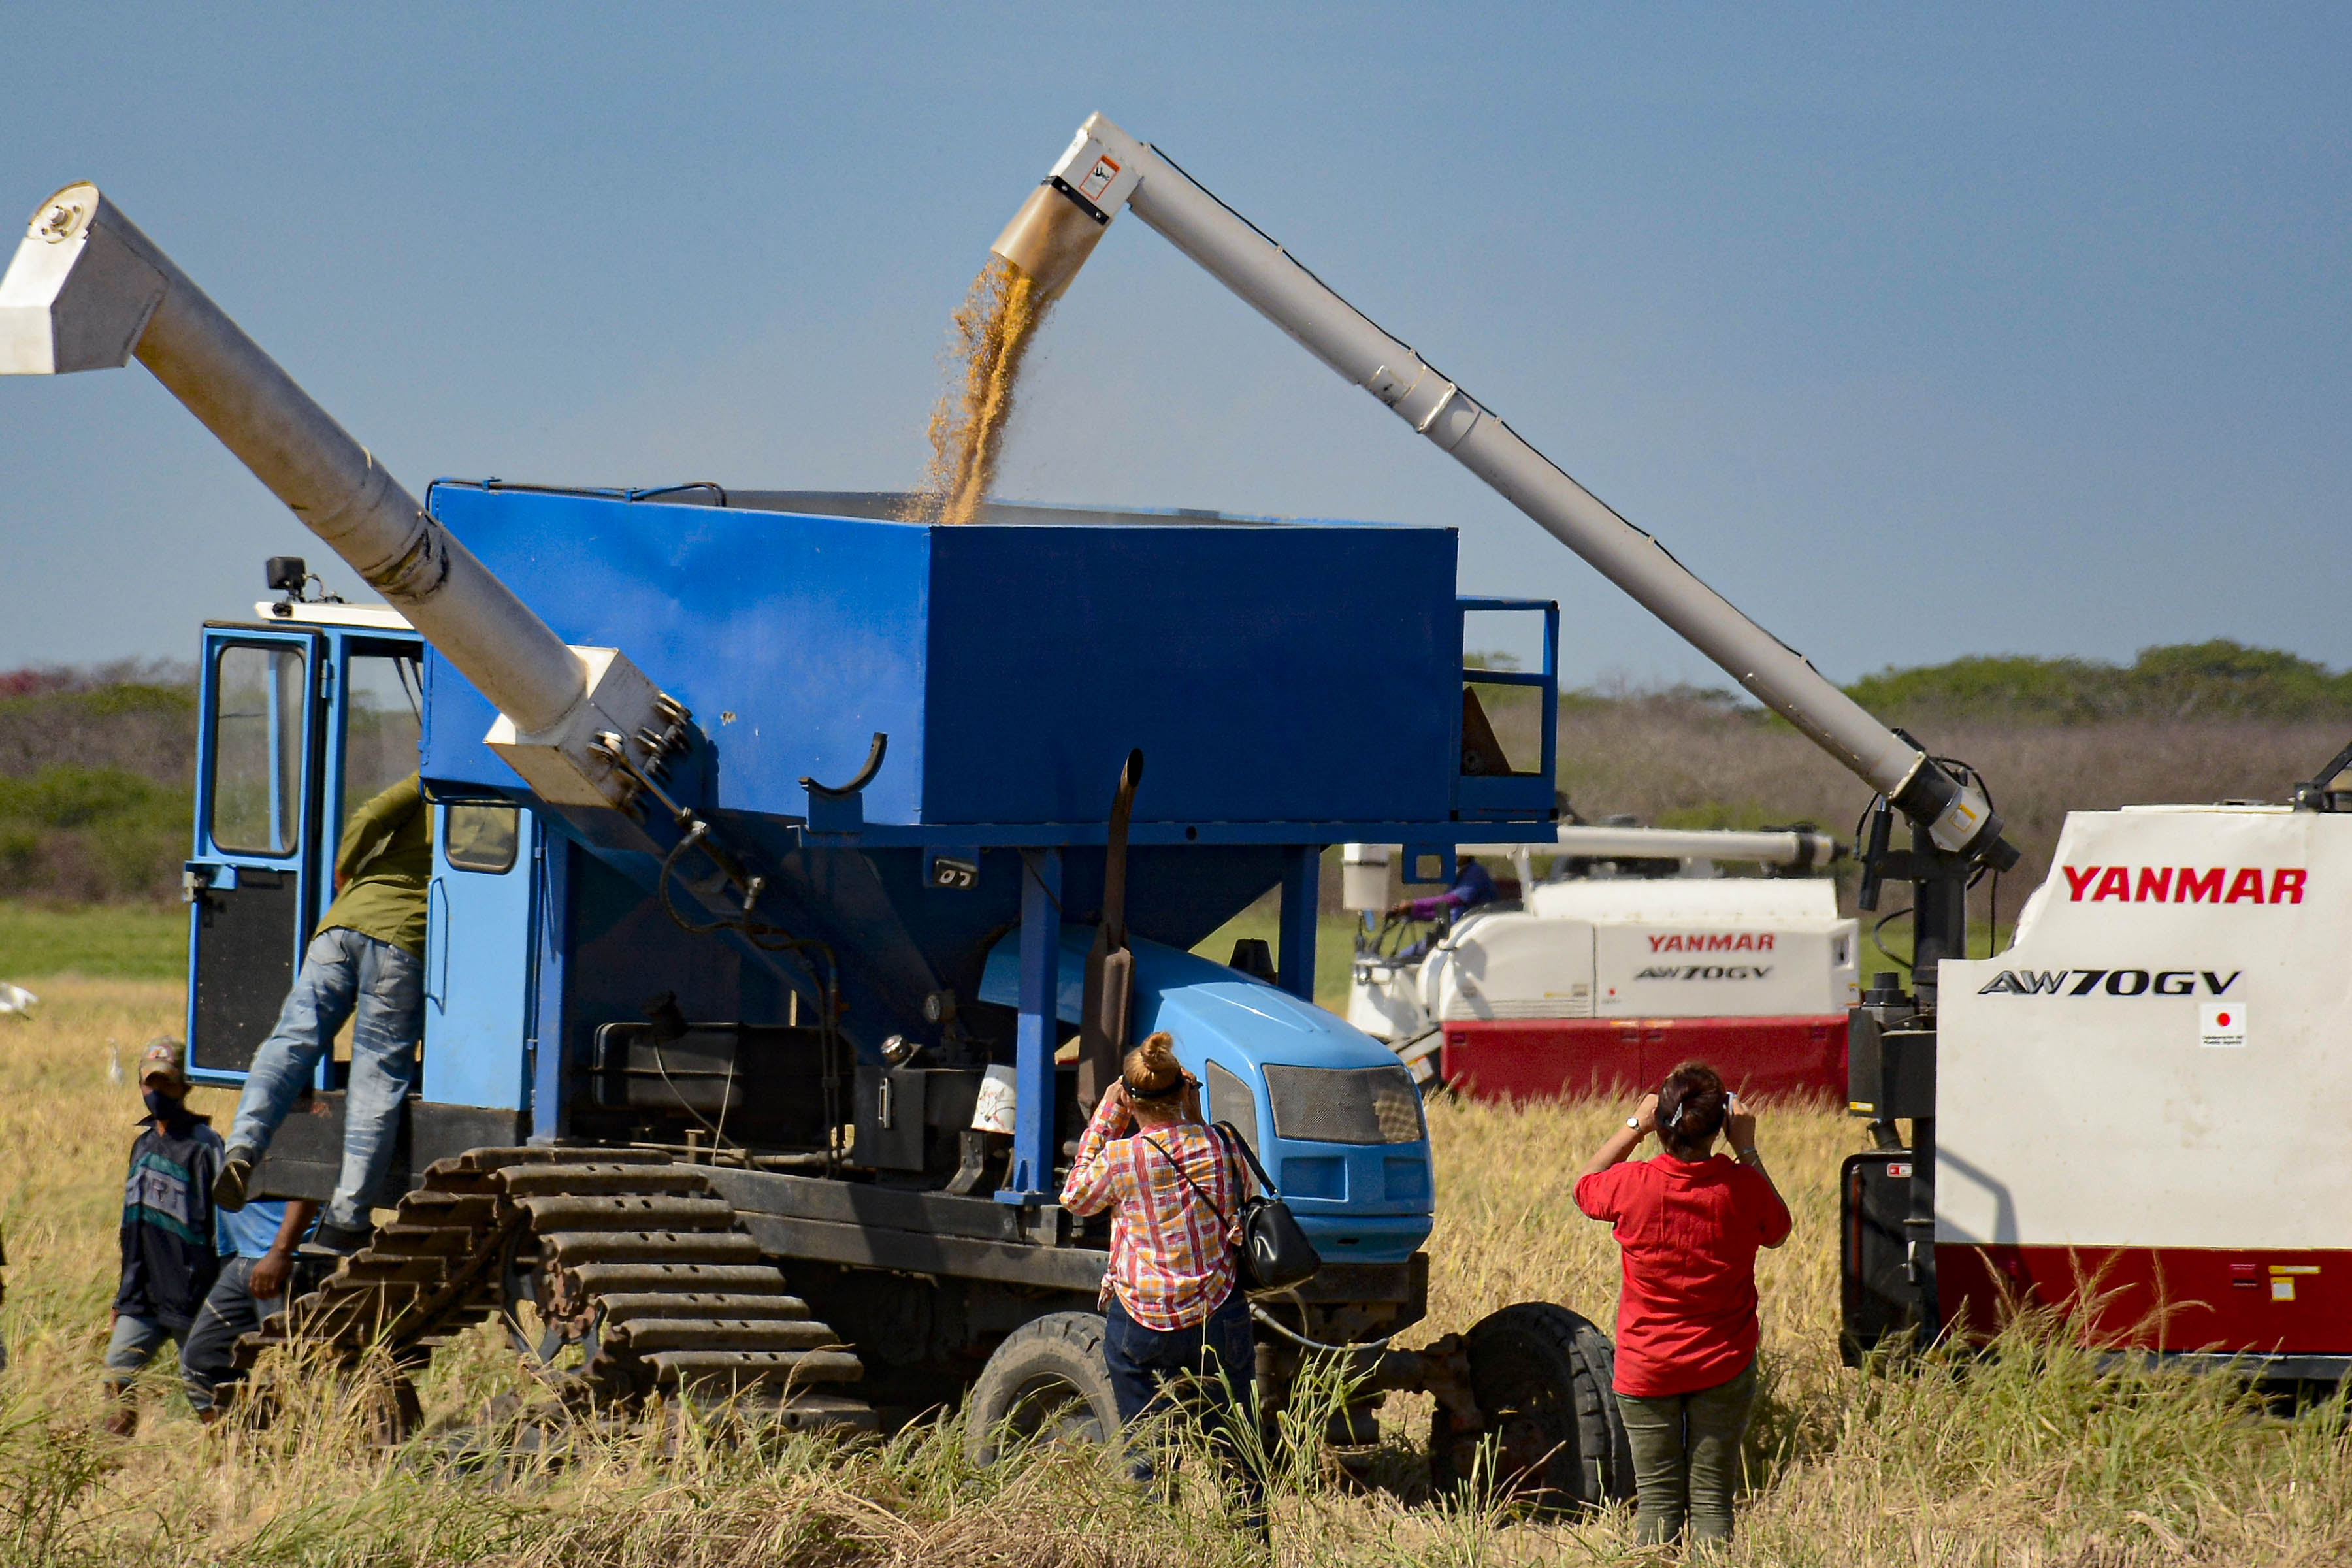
(1473, 885)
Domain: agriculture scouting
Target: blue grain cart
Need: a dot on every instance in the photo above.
(772, 837)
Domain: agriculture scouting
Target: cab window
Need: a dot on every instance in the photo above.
(256, 796)
(480, 837)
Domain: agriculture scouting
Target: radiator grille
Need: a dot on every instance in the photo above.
(1345, 1105)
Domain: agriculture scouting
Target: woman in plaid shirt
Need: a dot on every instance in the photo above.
(1172, 1307)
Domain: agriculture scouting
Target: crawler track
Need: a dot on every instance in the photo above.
(626, 1248)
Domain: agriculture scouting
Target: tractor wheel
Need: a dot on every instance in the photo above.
(1046, 1383)
(1541, 1375)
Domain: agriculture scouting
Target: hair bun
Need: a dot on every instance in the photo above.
(1152, 1069)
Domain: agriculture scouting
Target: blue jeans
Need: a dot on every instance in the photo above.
(133, 1343)
(382, 989)
(207, 1356)
(1215, 1361)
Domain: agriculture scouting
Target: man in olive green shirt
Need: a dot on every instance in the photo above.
(366, 964)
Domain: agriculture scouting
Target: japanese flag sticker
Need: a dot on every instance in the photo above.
(2222, 1023)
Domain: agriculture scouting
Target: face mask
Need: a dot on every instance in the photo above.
(164, 1106)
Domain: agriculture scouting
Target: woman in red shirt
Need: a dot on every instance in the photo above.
(1688, 1224)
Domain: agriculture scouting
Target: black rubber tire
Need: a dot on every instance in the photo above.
(1541, 1375)
(1045, 1383)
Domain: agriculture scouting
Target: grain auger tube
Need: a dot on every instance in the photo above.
(1106, 169)
(1956, 833)
(88, 291)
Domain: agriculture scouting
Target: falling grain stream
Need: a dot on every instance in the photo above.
(993, 328)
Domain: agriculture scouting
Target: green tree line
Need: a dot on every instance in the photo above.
(2218, 679)
(97, 764)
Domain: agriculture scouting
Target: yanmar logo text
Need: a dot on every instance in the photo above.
(1713, 942)
(1706, 971)
(2107, 982)
(2184, 884)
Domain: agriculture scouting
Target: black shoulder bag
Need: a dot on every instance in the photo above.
(1275, 1252)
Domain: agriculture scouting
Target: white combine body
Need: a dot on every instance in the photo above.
(2152, 1087)
(1599, 984)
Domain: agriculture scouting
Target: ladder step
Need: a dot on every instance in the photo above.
(815, 1413)
(622, 1276)
(400, 1240)
(645, 1335)
(427, 1206)
(622, 1307)
(590, 1179)
(653, 1246)
(742, 1368)
(378, 1268)
(502, 1159)
(629, 1212)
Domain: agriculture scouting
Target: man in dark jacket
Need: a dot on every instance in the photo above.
(366, 964)
(170, 1255)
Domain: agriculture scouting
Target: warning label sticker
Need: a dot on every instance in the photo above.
(1099, 179)
(2222, 1023)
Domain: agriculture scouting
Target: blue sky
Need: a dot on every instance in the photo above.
(1916, 333)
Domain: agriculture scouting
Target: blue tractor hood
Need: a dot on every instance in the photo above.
(1197, 1000)
(1332, 1114)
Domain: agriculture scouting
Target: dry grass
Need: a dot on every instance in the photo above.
(2029, 1456)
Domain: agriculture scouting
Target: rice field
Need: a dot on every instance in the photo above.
(2029, 1456)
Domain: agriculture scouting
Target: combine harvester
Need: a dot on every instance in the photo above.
(1601, 979)
(725, 946)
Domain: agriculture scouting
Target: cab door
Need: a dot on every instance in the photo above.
(478, 956)
(250, 881)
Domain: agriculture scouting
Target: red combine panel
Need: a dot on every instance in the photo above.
(1545, 1058)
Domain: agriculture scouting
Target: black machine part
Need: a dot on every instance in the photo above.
(1254, 956)
(1879, 1286)
(245, 961)
(2319, 791)
(740, 1085)
(1890, 1059)
(1046, 1383)
(911, 1118)
(1891, 1038)
(627, 1246)
(1110, 968)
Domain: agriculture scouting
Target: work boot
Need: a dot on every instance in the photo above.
(235, 1177)
(341, 1240)
(122, 1420)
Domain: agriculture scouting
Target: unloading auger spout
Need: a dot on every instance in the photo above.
(1106, 169)
(87, 291)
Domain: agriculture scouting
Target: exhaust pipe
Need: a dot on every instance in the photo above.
(88, 291)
